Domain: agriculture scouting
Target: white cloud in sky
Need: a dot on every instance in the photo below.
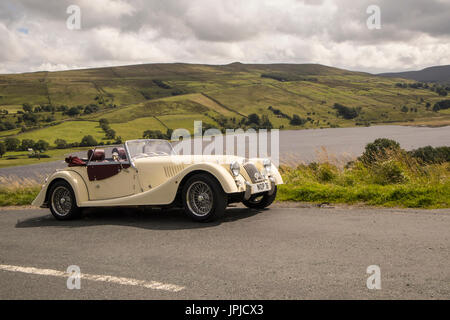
(414, 33)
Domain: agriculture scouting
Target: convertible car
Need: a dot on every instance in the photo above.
(149, 173)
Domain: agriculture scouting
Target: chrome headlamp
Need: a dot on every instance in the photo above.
(267, 165)
(235, 168)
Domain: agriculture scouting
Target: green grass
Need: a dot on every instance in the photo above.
(71, 131)
(409, 195)
(400, 181)
(18, 197)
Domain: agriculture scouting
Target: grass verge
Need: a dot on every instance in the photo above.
(17, 196)
(410, 196)
(395, 179)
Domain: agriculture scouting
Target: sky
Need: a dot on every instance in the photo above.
(412, 34)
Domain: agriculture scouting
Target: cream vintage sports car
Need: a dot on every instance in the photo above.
(149, 173)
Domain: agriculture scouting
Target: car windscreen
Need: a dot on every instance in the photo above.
(149, 148)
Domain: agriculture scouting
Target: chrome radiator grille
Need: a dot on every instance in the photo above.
(253, 172)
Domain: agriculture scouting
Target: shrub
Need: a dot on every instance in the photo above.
(38, 156)
(388, 172)
(61, 144)
(430, 155)
(380, 149)
(325, 173)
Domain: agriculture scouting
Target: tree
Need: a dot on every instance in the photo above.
(30, 118)
(104, 124)
(88, 141)
(61, 144)
(2, 149)
(12, 144)
(346, 112)
(41, 145)
(6, 126)
(90, 109)
(169, 134)
(27, 107)
(26, 144)
(441, 105)
(153, 134)
(74, 111)
(404, 109)
(253, 119)
(110, 134)
(118, 140)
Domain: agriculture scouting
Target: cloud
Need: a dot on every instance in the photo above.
(414, 33)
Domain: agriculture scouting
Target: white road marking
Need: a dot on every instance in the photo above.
(94, 277)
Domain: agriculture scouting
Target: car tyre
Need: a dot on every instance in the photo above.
(62, 201)
(261, 202)
(203, 198)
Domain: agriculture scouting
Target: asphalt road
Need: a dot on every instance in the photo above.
(280, 253)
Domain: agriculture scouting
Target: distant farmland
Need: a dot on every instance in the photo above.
(162, 96)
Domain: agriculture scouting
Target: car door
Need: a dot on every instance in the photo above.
(110, 179)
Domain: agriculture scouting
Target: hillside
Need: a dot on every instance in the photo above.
(433, 74)
(162, 96)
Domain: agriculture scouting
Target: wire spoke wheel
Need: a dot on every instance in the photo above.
(61, 201)
(200, 198)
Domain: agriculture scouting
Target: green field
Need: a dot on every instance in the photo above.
(160, 96)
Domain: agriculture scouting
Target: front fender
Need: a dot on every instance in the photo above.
(73, 178)
(224, 177)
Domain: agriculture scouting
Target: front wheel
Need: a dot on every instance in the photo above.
(261, 201)
(63, 204)
(203, 198)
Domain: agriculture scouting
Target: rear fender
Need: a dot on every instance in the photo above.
(73, 178)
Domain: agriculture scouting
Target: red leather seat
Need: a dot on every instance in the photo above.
(97, 155)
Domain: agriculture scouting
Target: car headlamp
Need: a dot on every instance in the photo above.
(235, 168)
(267, 165)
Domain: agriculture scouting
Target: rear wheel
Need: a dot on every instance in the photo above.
(63, 204)
(261, 201)
(203, 198)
